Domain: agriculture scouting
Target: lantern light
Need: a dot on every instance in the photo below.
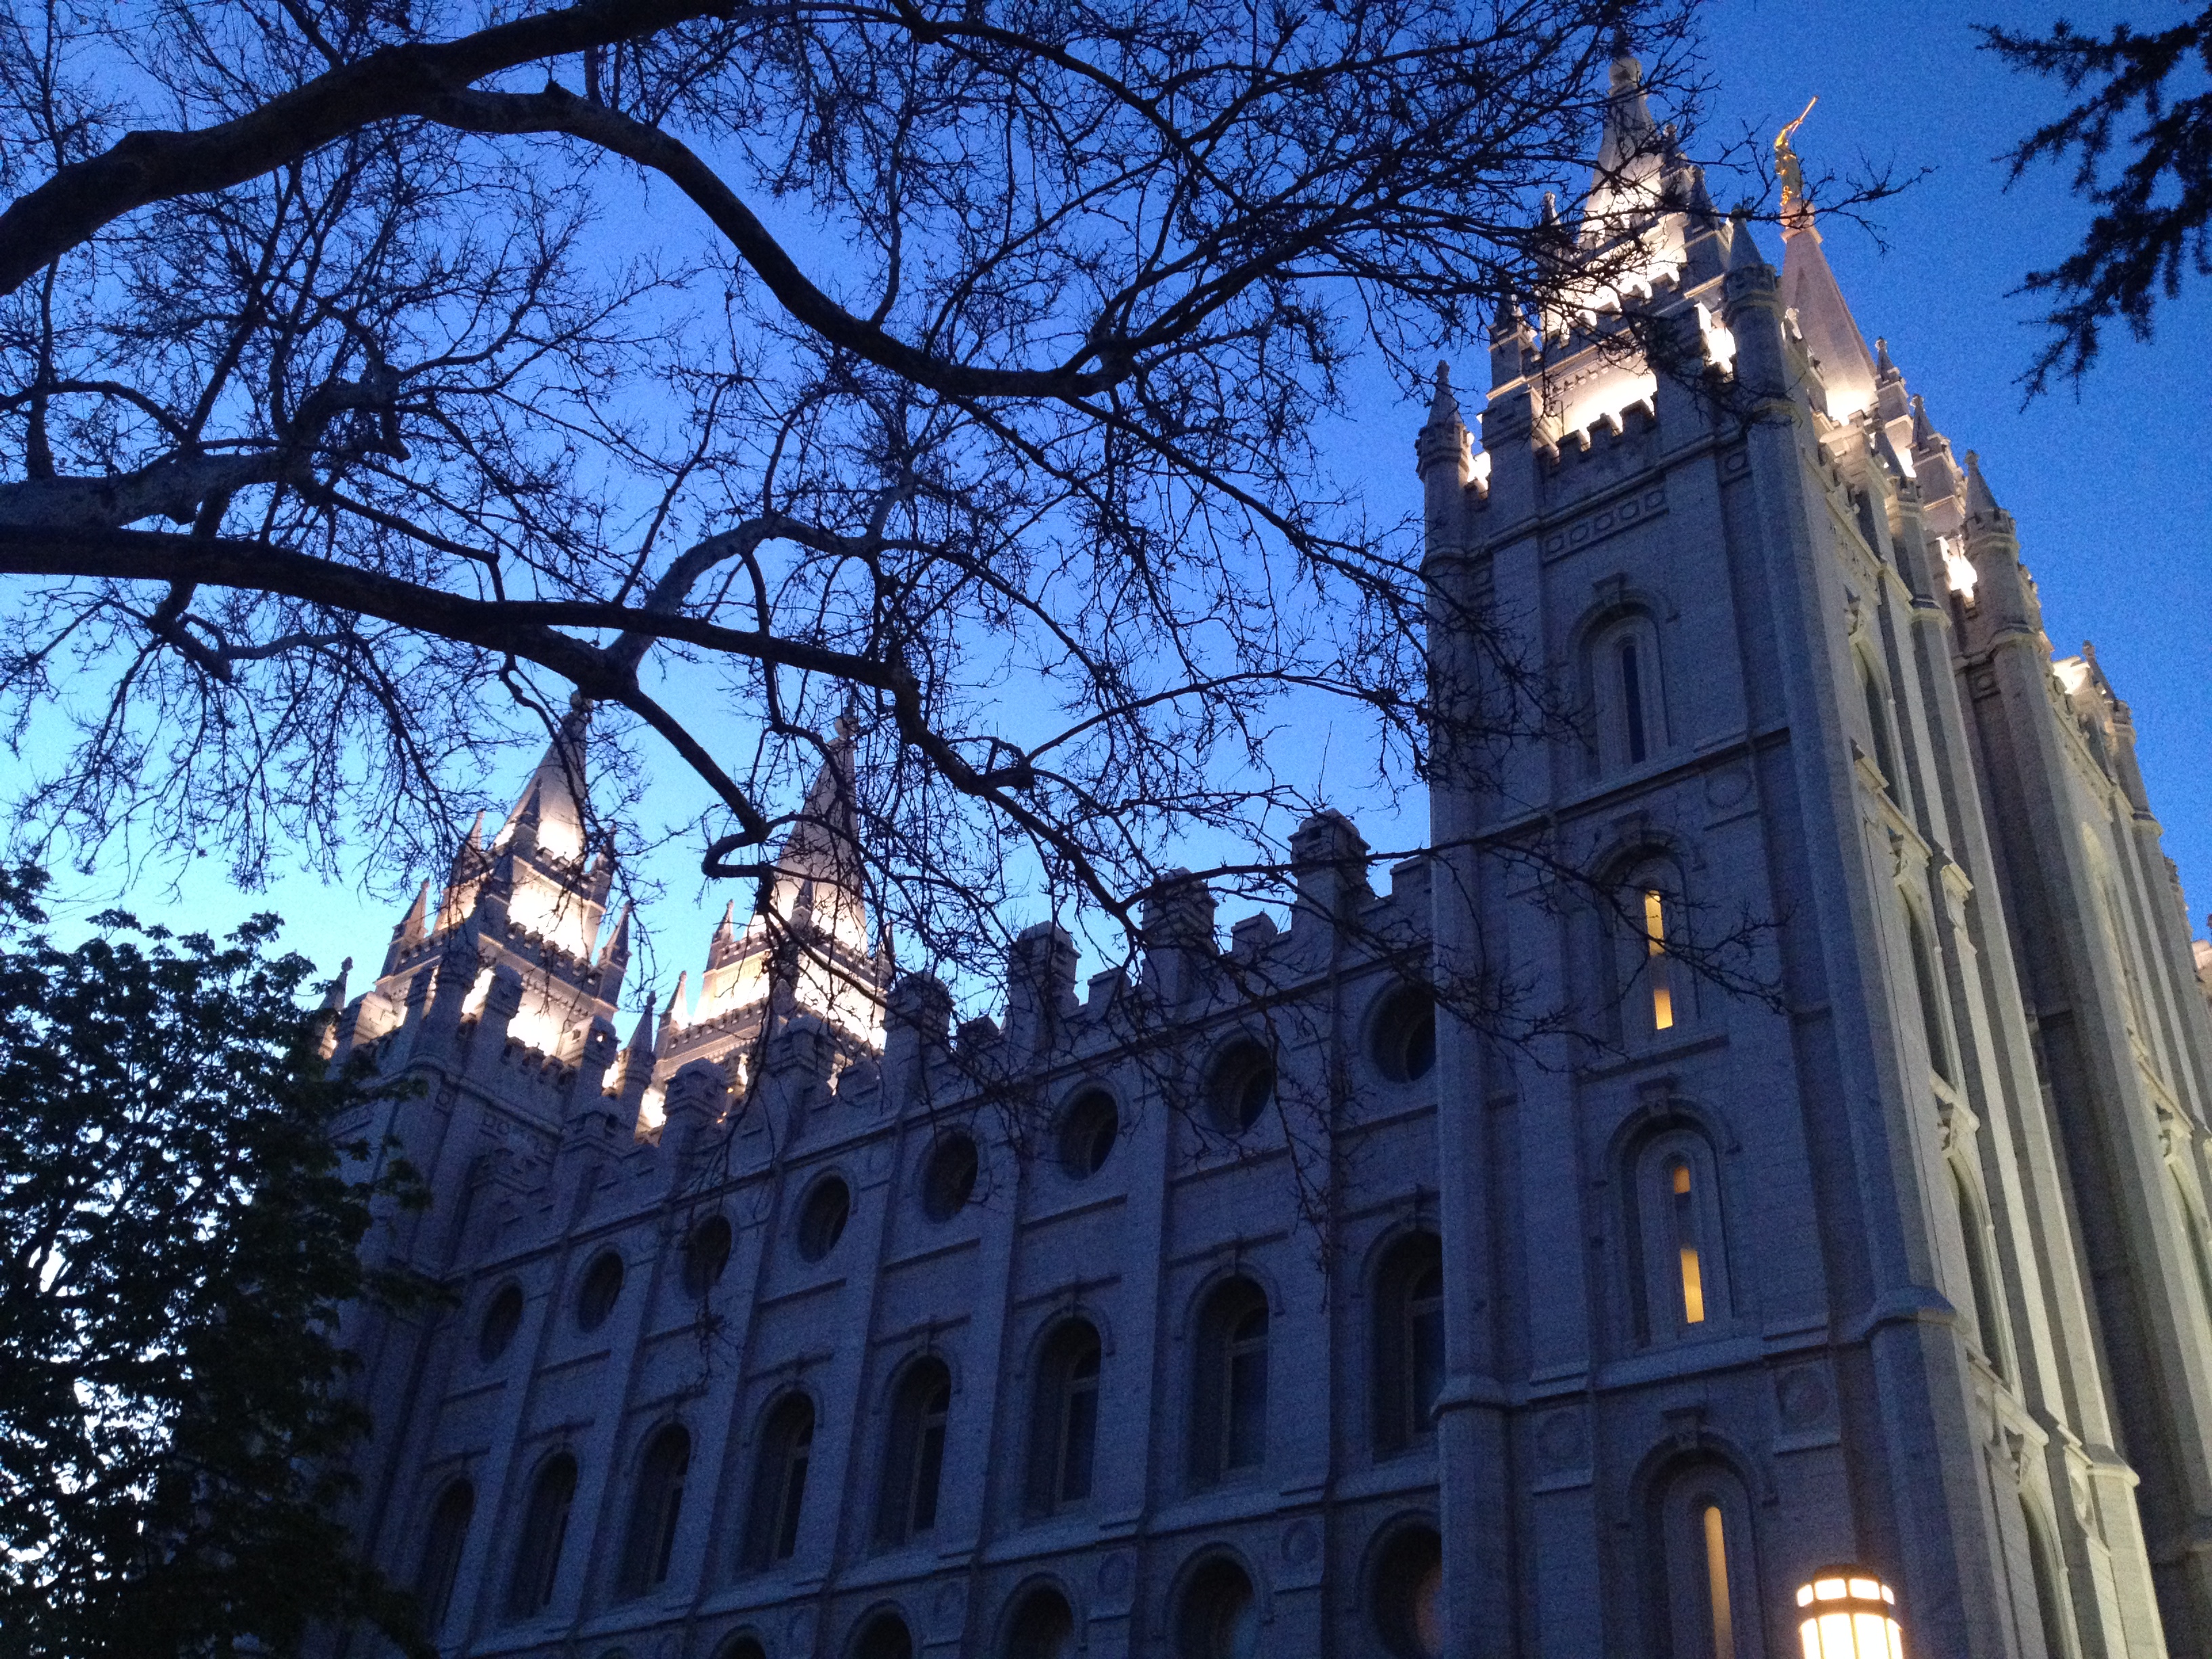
(1847, 1613)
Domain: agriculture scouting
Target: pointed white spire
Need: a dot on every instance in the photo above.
(1444, 407)
(410, 927)
(616, 948)
(552, 801)
(1980, 503)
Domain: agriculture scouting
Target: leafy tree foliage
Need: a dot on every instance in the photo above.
(2140, 137)
(179, 1228)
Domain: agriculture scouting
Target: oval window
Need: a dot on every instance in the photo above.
(1241, 1086)
(821, 1218)
(603, 1282)
(500, 1321)
(948, 1180)
(1088, 1130)
(1404, 1042)
(705, 1254)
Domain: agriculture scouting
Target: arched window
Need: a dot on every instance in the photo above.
(1229, 1387)
(914, 1452)
(2194, 1231)
(602, 1287)
(1626, 693)
(1406, 1598)
(2051, 1606)
(1064, 1418)
(1677, 1232)
(1981, 1282)
(705, 1254)
(1408, 1343)
(1044, 1626)
(544, 1529)
(654, 1512)
(744, 1646)
(500, 1321)
(1219, 1617)
(786, 1445)
(1712, 1598)
(441, 1554)
(1646, 923)
(884, 1637)
(1925, 987)
(1877, 712)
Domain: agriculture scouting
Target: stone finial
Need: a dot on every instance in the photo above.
(1040, 986)
(1443, 406)
(1743, 253)
(1328, 866)
(1980, 503)
(1884, 369)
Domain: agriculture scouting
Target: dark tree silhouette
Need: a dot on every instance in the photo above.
(179, 1230)
(2139, 136)
(961, 368)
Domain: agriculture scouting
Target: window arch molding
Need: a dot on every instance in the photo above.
(1019, 1601)
(783, 1430)
(1642, 927)
(912, 1416)
(1391, 1296)
(1203, 1563)
(1397, 1626)
(1659, 1220)
(1672, 1490)
(1226, 1429)
(1622, 693)
(1986, 1283)
(659, 1468)
(1060, 1384)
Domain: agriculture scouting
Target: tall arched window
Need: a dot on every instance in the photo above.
(914, 1452)
(1676, 1231)
(1928, 989)
(1877, 712)
(1646, 930)
(2194, 1231)
(1712, 1599)
(2052, 1604)
(884, 1637)
(441, 1554)
(1981, 1282)
(1064, 1418)
(1218, 1615)
(1626, 694)
(1408, 1342)
(1044, 1626)
(544, 1529)
(1228, 1386)
(786, 1445)
(654, 1512)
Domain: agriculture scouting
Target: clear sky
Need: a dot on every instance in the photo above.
(2110, 489)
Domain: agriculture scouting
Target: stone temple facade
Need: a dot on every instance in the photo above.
(1252, 1303)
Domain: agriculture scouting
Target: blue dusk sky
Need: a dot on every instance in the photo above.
(2109, 488)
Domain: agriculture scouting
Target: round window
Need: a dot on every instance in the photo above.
(1220, 1616)
(1088, 1130)
(500, 1321)
(948, 1179)
(706, 1253)
(603, 1282)
(1241, 1086)
(1404, 1040)
(821, 1218)
(1408, 1596)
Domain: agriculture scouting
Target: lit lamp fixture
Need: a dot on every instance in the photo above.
(1846, 1612)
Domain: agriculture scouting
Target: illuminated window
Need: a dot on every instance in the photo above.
(780, 1482)
(1683, 1208)
(914, 1453)
(1229, 1403)
(1656, 965)
(1064, 1422)
(544, 1529)
(1409, 1343)
(1715, 1527)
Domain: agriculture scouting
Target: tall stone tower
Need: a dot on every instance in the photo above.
(1850, 1206)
